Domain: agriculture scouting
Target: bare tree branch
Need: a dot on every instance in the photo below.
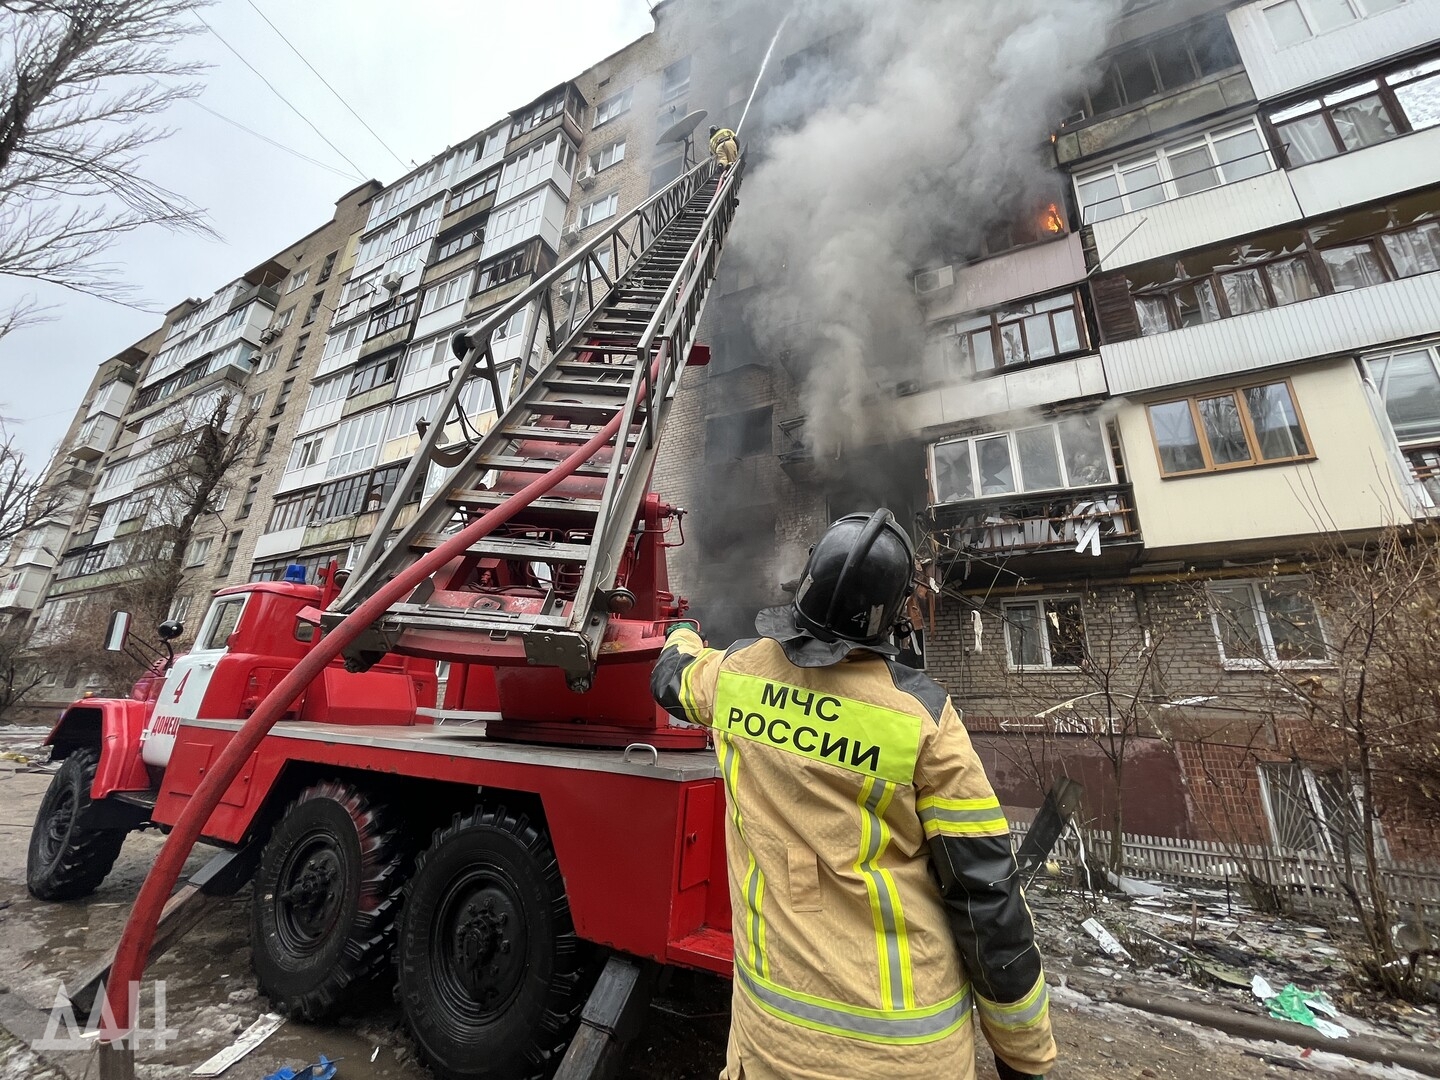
(80, 81)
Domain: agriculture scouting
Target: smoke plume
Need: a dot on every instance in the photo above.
(902, 137)
(888, 135)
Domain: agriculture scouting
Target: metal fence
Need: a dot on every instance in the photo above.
(1296, 874)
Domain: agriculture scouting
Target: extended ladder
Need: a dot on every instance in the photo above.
(632, 298)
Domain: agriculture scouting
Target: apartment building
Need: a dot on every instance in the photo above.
(1140, 405)
(446, 246)
(172, 449)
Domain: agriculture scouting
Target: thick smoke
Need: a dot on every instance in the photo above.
(919, 126)
(888, 135)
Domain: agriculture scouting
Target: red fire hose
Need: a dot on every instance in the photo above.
(139, 934)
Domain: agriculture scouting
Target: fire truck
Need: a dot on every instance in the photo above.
(476, 798)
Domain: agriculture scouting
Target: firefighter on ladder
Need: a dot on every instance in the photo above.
(724, 146)
(875, 896)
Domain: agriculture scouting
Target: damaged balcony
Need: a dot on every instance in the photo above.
(1051, 489)
(1425, 465)
(1083, 526)
(793, 452)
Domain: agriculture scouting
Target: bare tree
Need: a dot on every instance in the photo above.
(25, 499)
(188, 481)
(79, 81)
(19, 674)
(1115, 695)
(1362, 728)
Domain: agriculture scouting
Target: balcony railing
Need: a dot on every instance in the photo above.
(1082, 521)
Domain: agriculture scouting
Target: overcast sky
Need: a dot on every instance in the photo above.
(424, 74)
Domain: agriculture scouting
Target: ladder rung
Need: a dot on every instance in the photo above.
(579, 367)
(545, 507)
(561, 435)
(514, 463)
(582, 386)
(498, 547)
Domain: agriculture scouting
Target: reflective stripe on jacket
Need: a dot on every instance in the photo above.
(875, 898)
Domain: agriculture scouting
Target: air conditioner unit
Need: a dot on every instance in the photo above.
(587, 179)
(570, 234)
(929, 281)
(268, 335)
(392, 280)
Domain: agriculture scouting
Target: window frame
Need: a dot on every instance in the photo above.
(1159, 158)
(620, 109)
(1357, 9)
(1017, 470)
(616, 147)
(1005, 316)
(1038, 603)
(1311, 251)
(1271, 658)
(1247, 426)
(1353, 90)
(583, 217)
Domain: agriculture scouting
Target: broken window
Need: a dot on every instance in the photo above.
(1212, 432)
(1361, 114)
(1176, 58)
(738, 435)
(1071, 453)
(1272, 622)
(1353, 251)
(1048, 632)
(1021, 334)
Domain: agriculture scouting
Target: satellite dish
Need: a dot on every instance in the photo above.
(680, 130)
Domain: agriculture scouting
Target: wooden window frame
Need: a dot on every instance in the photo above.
(997, 350)
(1312, 253)
(1247, 426)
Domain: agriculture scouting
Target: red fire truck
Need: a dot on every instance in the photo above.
(485, 834)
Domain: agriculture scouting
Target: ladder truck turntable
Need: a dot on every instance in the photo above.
(489, 847)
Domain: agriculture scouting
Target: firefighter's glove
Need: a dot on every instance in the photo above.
(684, 624)
(1009, 1073)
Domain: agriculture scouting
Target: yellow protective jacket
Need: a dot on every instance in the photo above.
(725, 154)
(875, 897)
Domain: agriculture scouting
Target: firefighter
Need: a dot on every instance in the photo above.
(875, 895)
(724, 146)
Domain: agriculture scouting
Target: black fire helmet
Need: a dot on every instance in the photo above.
(856, 580)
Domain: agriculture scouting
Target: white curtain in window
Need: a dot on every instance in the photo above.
(1416, 251)
(1243, 292)
(1291, 281)
(1154, 319)
(1353, 267)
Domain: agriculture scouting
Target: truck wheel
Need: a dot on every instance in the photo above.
(67, 860)
(326, 892)
(490, 967)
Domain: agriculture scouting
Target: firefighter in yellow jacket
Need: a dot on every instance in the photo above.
(724, 146)
(877, 907)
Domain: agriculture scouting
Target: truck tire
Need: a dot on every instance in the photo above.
(66, 860)
(490, 967)
(326, 894)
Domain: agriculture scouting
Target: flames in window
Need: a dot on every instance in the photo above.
(1051, 220)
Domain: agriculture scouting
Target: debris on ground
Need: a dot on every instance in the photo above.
(1107, 941)
(1299, 1006)
(249, 1039)
(324, 1069)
